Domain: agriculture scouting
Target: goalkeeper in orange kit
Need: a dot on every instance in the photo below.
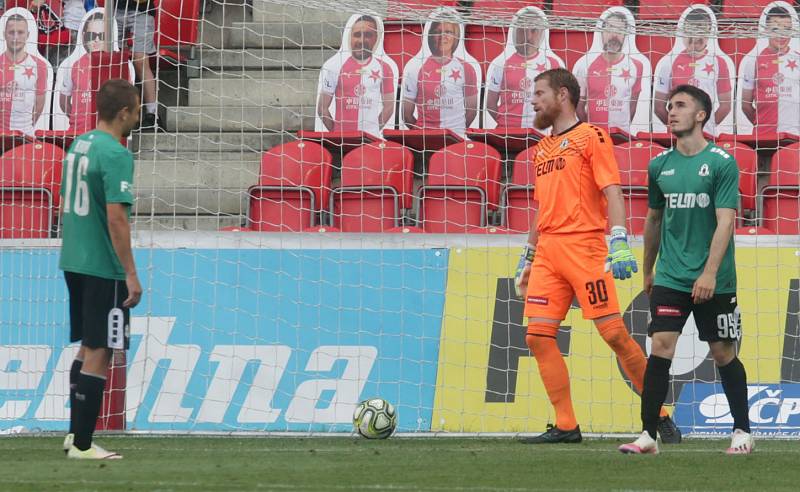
(577, 181)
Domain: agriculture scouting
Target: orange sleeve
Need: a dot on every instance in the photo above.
(600, 153)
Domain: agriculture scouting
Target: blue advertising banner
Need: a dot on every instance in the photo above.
(224, 340)
(774, 410)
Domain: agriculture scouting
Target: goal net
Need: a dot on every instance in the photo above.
(334, 204)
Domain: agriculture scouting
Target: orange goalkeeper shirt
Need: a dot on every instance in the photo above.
(572, 168)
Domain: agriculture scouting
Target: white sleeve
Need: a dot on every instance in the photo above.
(66, 86)
(329, 75)
(580, 71)
(747, 77)
(410, 77)
(494, 76)
(662, 80)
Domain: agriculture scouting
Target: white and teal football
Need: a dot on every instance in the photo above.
(375, 418)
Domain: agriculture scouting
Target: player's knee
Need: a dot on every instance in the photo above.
(663, 345)
(538, 343)
(723, 353)
(616, 339)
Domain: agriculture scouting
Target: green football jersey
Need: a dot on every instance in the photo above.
(97, 171)
(689, 190)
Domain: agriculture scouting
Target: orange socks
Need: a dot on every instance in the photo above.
(555, 376)
(629, 354)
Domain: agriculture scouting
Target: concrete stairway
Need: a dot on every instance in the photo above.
(251, 85)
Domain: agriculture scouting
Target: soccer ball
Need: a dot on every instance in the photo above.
(375, 418)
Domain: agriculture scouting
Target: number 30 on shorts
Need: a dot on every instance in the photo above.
(728, 325)
(597, 292)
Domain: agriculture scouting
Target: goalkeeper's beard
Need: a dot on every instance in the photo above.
(545, 118)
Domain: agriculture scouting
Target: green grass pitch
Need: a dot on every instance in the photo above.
(397, 464)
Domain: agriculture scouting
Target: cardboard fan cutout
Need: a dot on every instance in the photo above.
(441, 83)
(25, 76)
(509, 80)
(358, 85)
(615, 77)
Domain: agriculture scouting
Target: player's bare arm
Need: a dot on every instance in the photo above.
(323, 110)
(652, 242)
(120, 231)
(704, 286)
(633, 103)
(616, 206)
(387, 110)
(747, 105)
(38, 107)
(470, 108)
(408, 114)
(66, 103)
(493, 104)
(724, 107)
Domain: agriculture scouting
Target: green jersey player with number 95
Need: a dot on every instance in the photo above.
(693, 194)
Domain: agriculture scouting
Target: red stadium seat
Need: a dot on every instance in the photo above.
(502, 8)
(485, 43)
(665, 9)
(463, 182)
(405, 230)
(30, 181)
(517, 198)
(421, 4)
(747, 159)
(633, 159)
(490, 230)
(401, 41)
(781, 196)
(293, 186)
(654, 47)
(177, 26)
(736, 48)
(582, 8)
(376, 184)
(570, 46)
(743, 9)
(753, 231)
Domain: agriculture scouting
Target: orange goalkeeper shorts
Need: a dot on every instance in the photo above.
(567, 266)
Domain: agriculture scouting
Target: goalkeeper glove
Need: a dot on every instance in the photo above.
(525, 261)
(620, 259)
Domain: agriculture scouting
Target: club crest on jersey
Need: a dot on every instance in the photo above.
(564, 144)
(703, 170)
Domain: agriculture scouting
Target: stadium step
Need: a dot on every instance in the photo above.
(190, 201)
(195, 183)
(219, 60)
(150, 222)
(206, 142)
(239, 118)
(282, 35)
(254, 91)
(264, 11)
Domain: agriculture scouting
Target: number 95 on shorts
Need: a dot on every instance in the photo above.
(718, 319)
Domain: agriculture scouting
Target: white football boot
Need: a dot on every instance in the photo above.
(95, 452)
(741, 443)
(68, 440)
(644, 444)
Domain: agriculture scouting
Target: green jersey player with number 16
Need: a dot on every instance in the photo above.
(96, 256)
(693, 192)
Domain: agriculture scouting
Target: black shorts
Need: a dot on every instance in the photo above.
(717, 319)
(96, 316)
